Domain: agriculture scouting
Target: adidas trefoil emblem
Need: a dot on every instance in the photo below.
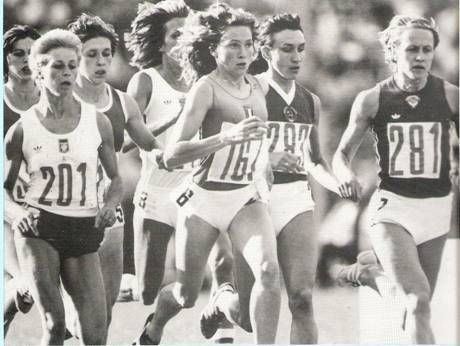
(413, 100)
(37, 148)
(396, 116)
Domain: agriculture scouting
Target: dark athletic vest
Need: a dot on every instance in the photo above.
(412, 132)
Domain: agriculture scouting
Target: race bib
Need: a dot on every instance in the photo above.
(292, 138)
(414, 149)
(239, 163)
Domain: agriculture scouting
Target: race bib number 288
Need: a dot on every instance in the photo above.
(414, 149)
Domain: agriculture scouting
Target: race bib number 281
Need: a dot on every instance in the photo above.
(414, 149)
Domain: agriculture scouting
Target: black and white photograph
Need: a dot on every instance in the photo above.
(231, 172)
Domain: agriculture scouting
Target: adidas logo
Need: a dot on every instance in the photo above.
(396, 116)
(37, 148)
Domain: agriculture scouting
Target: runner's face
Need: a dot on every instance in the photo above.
(96, 59)
(172, 33)
(415, 52)
(60, 72)
(235, 52)
(18, 59)
(287, 53)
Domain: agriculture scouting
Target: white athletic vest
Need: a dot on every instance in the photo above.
(165, 103)
(116, 112)
(62, 167)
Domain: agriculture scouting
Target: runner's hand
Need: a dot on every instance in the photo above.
(25, 223)
(285, 162)
(251, 128)
(105, 217)
(349, 187)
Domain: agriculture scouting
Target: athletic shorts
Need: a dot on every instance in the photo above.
(157, 205)
(217, 207)
(70, 236)
(423, 218)
(287, 201)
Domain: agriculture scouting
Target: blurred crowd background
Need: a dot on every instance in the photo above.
(343, 57)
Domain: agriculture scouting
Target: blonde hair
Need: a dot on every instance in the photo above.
(57, 38)
(389, 38)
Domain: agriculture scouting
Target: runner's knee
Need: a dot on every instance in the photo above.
(300, 300)
(418, 304)
(55, 325)
(269, 275)
(223, 263)
(185, 296)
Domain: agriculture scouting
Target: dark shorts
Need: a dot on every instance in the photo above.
(70, 236)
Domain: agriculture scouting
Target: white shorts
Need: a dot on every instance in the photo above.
(217, 207)
(287, 201)
(423, 218)
(157, 205)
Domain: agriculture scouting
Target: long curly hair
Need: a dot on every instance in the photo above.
(87, 27)
(202, 33)
(389, 38)
(148, 31)
(10, 37)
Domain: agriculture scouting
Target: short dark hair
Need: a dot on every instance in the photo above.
(87, 27)
(277, 23)
(10, 37)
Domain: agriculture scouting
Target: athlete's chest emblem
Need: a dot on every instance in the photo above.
(64, 145)
(413, 100)
(395, 116)
(290, 114)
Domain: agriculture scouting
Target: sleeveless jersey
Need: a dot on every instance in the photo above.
(234, 165)
(165, 103)
(115, 110)
(11, 115)
(289, 127)
(62, 167)
(412, 134)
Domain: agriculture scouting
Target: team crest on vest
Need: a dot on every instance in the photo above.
(290, 113)
(413, 100)
(64, 146)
